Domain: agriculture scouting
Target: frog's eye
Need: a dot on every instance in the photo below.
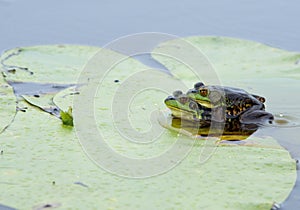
(198, 85)
(193, 105)
(183, 99)
(203, 92)
(177, 93)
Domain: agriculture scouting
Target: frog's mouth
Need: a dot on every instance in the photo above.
(183, 114)
(179, 110)
(206, 104)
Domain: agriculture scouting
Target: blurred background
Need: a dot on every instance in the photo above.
(97, 22)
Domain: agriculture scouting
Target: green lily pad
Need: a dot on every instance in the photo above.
(64, 99)
(52, 164)
(7, 104)
(231, 59)
(46, 64)
(44, 163)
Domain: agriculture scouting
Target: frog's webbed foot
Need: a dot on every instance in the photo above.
(256, 117)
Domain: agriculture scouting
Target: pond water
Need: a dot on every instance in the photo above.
(34, 22)
(275, 23)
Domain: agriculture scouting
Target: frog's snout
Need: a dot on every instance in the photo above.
(169, 98)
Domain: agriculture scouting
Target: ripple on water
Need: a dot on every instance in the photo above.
(285, 120)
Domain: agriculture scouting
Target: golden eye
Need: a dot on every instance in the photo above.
(203, 92)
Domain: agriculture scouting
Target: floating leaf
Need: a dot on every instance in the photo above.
(46, 64)
(7, 104)
(64, 99)
(231, 59)
(234, 177)
(44, 156)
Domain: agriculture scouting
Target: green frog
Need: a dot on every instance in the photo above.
(195, 119)
(219, 104)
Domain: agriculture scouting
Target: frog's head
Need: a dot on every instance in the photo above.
(184, 107)
(207, 96)
(187, 108)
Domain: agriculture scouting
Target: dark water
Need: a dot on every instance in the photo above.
(93, 22)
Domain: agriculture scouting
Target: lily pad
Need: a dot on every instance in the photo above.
(46, 64)
(50, 161)
(7, 104)
(43, 162)
(64, 99)
(231, 58)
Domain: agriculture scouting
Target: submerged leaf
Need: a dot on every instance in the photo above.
(67, 117)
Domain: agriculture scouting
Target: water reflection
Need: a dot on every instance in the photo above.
(285, 129)
(286, 121)
(230, 131)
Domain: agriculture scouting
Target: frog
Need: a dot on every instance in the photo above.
(236, 103)
(196, 119)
